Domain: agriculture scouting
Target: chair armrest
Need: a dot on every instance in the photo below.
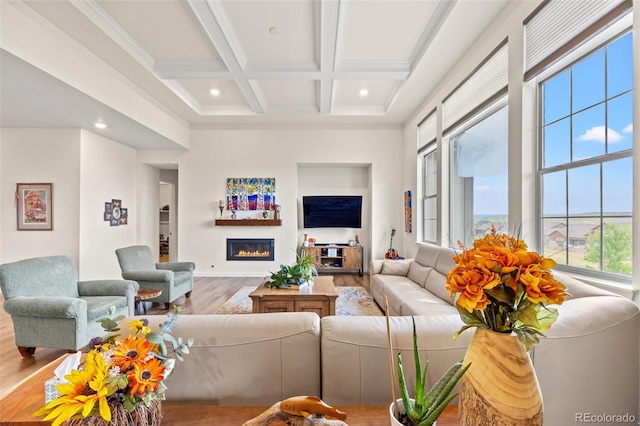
(45, 307)
(108, 288)
(148, 275)
(177, 266)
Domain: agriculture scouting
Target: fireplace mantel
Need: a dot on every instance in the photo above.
(248, 222)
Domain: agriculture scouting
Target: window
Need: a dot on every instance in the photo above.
(479, 175)
(430, 193)
(428, 184)
(586, 165)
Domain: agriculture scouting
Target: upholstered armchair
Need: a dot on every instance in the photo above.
(173, 278)
(50, 308)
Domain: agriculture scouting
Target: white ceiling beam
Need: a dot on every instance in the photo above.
(190, 69)
(327, 21)
(216, 25)
(435, 22)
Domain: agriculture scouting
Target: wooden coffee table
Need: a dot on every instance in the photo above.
(319, 298)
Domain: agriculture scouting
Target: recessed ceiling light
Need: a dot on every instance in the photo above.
(100, 125)
(274, 31)
(364, 92)
(214, 92)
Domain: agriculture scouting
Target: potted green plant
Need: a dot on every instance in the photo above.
(298, 273)
(425, 406)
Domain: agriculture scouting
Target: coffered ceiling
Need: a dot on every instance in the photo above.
(225, 62)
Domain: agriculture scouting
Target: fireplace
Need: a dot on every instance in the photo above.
(250, 249)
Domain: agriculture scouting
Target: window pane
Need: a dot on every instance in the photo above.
(584, 191)
(480, 176)
(620, 120)
(620, 65)
(555, 194)
(555, 240)
(431, 174)
(557, 143)
(579, 230)
(588, 82)
(557, 97)
(617, 190)
(430, 222)
(589, 135)
(612, 251)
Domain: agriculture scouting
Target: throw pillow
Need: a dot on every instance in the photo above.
(396, 267)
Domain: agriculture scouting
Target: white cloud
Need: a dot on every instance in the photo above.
(628, 129)
(597, 134)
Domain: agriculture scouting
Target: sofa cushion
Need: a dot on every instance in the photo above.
(428, 254)
(396, 267)
(252, 359)
(400, 293)
(436, 284)
(418, 273)
(426, 305)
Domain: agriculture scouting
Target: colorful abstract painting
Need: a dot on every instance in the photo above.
(407, 212)
(251, 193)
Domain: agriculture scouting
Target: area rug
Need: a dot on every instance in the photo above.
(351, 301)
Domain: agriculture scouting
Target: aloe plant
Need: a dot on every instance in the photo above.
(425, 408)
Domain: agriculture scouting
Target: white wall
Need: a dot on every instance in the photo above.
(108, 170)
(86, 170)
(216, 155)
(40, 156)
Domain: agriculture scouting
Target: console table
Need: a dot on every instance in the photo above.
(17, 407)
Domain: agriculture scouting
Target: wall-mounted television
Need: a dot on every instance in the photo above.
(332, 211)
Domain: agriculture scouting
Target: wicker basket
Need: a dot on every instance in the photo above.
(150, 415)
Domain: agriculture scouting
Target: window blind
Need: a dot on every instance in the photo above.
(558, 26)
(484, 85)
(427, 130)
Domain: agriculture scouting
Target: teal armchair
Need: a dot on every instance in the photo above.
(175, 279)
(50, 308)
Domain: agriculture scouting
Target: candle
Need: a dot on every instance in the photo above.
(221, 203)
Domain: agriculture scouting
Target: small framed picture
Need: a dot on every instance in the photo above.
(35, 206)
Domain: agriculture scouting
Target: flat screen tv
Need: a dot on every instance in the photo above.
(332, 211)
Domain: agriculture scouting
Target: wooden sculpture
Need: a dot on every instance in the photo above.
(300, 411)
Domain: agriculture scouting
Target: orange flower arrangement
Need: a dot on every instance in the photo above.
(129, 372)
(505, 288)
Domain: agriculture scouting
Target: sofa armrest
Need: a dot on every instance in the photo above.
(45, 307)
(375, 267)
(108, 288)
(148, 275)
(176, 266)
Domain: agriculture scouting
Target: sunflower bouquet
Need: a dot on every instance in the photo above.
(505, 288)
(121, 380)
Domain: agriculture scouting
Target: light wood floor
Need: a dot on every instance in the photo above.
(208, 295)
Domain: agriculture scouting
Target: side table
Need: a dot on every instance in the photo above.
(145, 294)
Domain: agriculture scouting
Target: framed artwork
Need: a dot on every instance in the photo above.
(251, 193)
(35, 206)
(407, 212)
(115, 214)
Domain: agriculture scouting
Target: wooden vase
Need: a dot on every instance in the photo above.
(500, 388)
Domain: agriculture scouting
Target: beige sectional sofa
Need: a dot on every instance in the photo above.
(589, 362)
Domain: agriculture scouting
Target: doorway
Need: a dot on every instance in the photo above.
(167, 216)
